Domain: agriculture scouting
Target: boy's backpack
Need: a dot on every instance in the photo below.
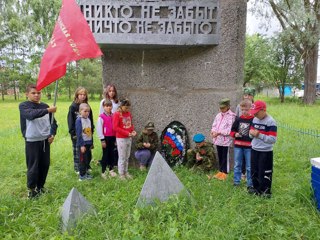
(174, 143)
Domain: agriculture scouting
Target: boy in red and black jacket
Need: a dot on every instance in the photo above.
(242, 143)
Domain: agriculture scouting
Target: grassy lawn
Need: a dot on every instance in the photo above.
(219, 211)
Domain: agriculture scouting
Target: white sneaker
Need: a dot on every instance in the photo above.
(122, 177)
(128, 176)
(143, 168)
(112, 173)
(104, 176)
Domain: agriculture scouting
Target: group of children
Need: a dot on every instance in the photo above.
(115, 131)
(114, 128)
(253, 133)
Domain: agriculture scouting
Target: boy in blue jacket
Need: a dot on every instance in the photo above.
(38, 130)
(84, 141)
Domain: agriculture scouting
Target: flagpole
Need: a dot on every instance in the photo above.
(55, 99)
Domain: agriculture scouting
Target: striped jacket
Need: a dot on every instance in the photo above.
(267, 134)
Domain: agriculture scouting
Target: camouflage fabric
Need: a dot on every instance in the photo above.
(208, 162)
(153, 139)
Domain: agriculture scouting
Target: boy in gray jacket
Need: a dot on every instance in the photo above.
(38, 131)
(264, 133)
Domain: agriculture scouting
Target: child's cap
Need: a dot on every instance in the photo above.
(257, 106)
(225, 102)
(149, 126)
(249, 91)
(198, 138)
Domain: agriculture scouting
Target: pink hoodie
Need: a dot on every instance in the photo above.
(222, 124)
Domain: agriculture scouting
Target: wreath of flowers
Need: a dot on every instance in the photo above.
(174, 145)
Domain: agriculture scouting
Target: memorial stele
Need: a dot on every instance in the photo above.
(174, 60)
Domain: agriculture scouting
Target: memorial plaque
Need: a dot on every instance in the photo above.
(158, 23)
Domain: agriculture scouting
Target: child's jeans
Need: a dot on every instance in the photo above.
(239, 154)
(124, 149)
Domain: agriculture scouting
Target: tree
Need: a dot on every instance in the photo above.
(285, 64)
(300, 21)
(27, 27)
(271, 62)
(257, 65)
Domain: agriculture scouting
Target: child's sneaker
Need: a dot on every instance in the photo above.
(104, 176)
(82, 178)
(143, 168)
(243, 177)
(218, 175)
(122, 177)
(112, 173)
(252, 191)
(32, 193)
(88, 176)
(128, 176)
(222, 176)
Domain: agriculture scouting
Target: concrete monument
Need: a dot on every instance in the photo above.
(174, 59)
(160, 184)
(74, 207)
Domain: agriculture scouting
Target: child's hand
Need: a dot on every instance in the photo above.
(132, 134)
(50, 139)
(52, 109)
(198, 157)
(237, 135)
(103, 144)
(254, 132)
(214, 134)
(146, 145)
(83, 149)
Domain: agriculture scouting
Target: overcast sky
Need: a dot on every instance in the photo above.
(256, 24)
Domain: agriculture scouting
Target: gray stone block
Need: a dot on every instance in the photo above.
(160, 184)
(74, 207)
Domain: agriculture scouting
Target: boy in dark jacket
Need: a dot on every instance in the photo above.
(242, 143)
(39, 130)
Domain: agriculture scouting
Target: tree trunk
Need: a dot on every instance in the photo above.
(310, 75)
(14, 90)
(282, 94)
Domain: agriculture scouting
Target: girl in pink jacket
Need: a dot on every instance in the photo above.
(220, 133)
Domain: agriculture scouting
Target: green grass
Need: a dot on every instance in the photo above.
(217, 211)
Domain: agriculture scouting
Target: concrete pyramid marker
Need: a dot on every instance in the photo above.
(74, 207)
(161, 183)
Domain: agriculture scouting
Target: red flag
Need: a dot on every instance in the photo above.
(71, 40)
